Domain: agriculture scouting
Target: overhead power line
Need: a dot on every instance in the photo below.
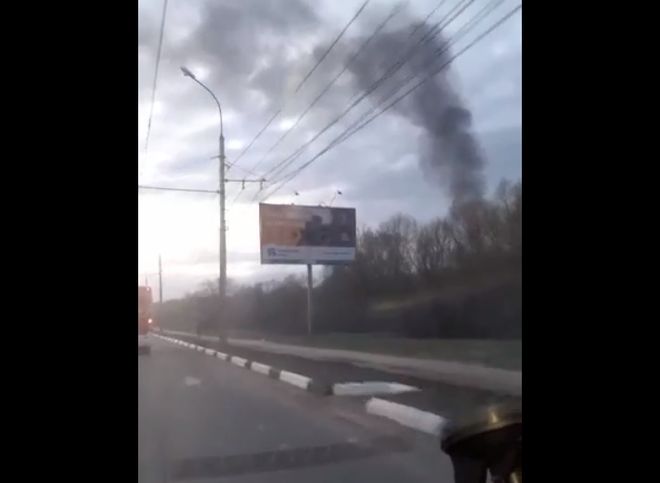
(451, 41)
(279, 111)
(189, 190)
(423, 22)
(240, 155)
(238, 195)
(351, 59)
(155, 81)
(241, 168)
(433, 31)
(284, 163)
(460, 32)
(464, 29)
(439, 26)
(347, 133)
(325, 54)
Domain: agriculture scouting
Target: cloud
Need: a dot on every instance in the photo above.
(253, 54)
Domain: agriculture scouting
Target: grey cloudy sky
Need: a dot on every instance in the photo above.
(253, 54)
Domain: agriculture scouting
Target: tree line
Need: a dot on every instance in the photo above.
(453, 276)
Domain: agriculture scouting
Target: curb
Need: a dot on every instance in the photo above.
(409, 416)
(291, 378)
(426, 422)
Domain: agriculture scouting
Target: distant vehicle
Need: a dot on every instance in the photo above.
(145, 319)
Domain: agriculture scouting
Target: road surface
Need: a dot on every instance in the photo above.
(458, 373)
(203, 420)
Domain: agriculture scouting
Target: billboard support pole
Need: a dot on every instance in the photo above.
(160, 280)
(309, 299)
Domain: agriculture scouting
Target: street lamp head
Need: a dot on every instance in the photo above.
(187, 73)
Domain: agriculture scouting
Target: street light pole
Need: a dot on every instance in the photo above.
(222, 281)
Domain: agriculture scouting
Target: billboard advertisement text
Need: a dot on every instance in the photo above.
(306, 234)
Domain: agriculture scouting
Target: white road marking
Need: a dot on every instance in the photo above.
(407, 415)
(191, 381)
(368, 388)
(209, 352)
(221, 355)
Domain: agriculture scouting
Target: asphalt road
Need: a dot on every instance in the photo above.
(447, 400)
(461, 374)
(200, 419)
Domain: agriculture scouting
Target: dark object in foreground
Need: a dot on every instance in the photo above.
(144, 350)
(489, 441)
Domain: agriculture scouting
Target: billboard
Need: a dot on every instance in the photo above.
(306, 234)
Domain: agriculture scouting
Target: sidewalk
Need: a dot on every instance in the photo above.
(456, 373)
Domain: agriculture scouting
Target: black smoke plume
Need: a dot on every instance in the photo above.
(450, 152)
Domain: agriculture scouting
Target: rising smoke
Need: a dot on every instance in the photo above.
(450, 152)
(248, 48)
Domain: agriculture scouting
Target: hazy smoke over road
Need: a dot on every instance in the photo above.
(450, 153)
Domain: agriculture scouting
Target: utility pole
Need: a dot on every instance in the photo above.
(221, 189)
(160, 280)
(222, 281)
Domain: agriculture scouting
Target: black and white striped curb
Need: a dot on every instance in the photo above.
(298, 380)
(424, 421)
(411, 417)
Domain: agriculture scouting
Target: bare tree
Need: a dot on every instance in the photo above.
(433, 248)
(397, 236)
(468, 262)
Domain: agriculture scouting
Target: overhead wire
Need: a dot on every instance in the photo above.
(188, 190)
(433, 31)
(254, 139)
(231, 204)
(423, 22)
(347, 133)
(478, 17)
(245, 170)
(351, 59)
(279, 111)
(488, 8)
(460, 6)
(325, 54)
(459, 33)
(284, 163)
(155, 80)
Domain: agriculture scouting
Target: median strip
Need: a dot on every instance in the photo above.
(260, 368)
(295, 379)
(411, 417)
(239, 361)
(370, 388)
(298, 380)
